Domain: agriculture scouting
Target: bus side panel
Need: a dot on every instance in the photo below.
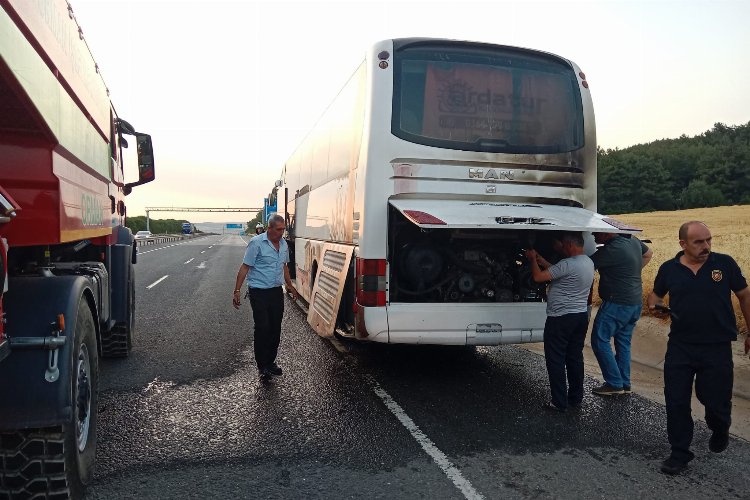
(329, 282)
(321, 213)
(305, 253)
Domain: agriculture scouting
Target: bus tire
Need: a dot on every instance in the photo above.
(58, 462)
(118, 342)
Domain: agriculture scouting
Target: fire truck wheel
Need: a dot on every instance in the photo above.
(80, 432)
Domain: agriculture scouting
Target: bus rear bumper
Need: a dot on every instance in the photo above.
(464, 324)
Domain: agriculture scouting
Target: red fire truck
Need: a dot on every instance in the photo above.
(66, 257)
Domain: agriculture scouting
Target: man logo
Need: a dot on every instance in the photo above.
(478, 173)
(716, 275)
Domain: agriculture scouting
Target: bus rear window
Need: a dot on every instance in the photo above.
(495, 101)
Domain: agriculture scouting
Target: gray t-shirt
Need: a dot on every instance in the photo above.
(571, 283)
(619, 263)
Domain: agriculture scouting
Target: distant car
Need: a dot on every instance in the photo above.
(141, 235)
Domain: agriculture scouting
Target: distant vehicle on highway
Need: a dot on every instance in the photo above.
(141, 235)
(188, 228)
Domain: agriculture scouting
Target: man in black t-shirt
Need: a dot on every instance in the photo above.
(700, 284)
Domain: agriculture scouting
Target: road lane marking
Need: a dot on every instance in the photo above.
(427, 445)
(203, 251)
(157, 282)
(189, 261)
(202, 265)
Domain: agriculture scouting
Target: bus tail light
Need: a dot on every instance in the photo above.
(419, 217)
(371, 282)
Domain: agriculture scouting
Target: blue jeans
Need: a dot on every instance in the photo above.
(614, 321)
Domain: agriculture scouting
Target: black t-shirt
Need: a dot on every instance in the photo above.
(702, 302)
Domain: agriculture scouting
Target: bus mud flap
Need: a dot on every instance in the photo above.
(329, 285)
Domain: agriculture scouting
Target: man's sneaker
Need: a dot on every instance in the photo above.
(275, 370)
(672, 466)
(607, 390)
(265, 374)
(626, 389)
(718, 441)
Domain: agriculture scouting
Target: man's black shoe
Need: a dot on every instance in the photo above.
(718, 442)
(265, 374)
(672, 466)
(553, 407)
(276, 370)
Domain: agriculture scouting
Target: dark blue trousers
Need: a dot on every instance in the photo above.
(712, 368)
(268, 310)
(563, 352)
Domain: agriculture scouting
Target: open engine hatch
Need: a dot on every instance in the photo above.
(463, 214)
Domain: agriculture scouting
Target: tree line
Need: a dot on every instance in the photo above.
(708, 170)
(156, 226)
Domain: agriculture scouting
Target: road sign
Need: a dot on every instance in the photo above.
(235, 226)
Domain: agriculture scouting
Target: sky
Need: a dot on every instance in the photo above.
(228, 88)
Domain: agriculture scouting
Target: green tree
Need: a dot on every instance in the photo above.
(699, 194)
(254, 222)
(688, 172)
(156, 226)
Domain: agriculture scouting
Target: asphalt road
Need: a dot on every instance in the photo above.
(186, 417)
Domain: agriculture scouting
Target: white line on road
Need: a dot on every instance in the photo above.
(189, 261)
(157, 282)
(203, 251)
(201, 266)
(427, 445)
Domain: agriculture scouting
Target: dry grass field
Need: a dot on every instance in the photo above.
(730, 229)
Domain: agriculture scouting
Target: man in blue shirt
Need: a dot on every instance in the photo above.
(265, 268)
(700, 284)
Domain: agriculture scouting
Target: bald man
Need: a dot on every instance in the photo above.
(700, 285)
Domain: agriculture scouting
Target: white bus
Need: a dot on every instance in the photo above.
(409, 203)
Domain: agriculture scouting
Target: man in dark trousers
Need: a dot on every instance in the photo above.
(700, 284)
(567, 317)
(265, 267)
(619, 261)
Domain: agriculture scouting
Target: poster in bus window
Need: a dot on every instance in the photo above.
(466, 103)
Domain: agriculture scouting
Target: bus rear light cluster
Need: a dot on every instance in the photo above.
(420, 217)
(371, 282)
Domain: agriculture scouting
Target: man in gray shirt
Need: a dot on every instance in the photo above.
(619, 262)
(567, 317)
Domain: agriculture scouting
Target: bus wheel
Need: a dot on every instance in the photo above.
(118, 342)
(58, 462)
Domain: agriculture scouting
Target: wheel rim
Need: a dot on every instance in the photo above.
(83, 398)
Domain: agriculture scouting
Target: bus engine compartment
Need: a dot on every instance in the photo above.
(463, 265)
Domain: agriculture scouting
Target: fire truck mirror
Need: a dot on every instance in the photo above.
(145, 159)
